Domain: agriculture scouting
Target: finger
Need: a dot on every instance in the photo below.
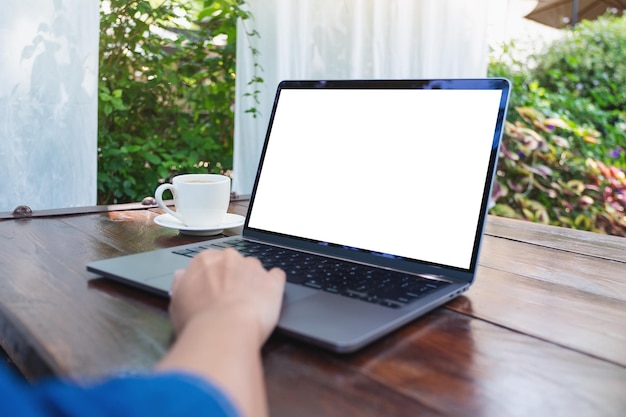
(278, 273)
(178, 277)
(253, 262)
(230, 253)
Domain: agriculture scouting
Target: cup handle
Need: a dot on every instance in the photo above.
(158, 195)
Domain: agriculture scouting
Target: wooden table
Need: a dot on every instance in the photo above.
(542, 332)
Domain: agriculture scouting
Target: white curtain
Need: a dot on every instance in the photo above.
(48, 103)
(341, 39)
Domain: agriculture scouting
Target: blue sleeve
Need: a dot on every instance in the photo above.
(154, 395)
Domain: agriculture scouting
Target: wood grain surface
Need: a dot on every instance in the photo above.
(541, 332)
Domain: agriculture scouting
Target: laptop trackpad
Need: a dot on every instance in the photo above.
(295, 292)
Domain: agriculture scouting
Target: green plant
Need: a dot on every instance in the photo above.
(541, 177)
(563, 152)
(584, 76)
(590, 61)
(166, 91)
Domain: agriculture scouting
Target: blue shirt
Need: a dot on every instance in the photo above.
(154, 395)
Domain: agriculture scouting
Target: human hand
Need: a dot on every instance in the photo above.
(226, 283)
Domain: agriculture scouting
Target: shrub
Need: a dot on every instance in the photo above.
(584, 79)
(167, 85)
(542, 178)
(563, 158)
(589, 62)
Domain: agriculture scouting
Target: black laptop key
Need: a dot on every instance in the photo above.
(190, 253)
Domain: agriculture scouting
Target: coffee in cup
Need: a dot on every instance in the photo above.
(201, 200)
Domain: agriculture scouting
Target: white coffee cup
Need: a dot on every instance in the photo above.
(201, 200)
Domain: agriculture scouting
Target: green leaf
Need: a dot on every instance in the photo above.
(152, 158)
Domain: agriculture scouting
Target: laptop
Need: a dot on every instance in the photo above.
(372, 195)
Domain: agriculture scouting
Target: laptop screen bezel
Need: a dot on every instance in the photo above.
(378, 259)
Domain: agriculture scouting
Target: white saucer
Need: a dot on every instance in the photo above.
(230, 220)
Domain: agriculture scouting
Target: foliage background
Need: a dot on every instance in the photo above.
(167, 84)
(563, 152)
(166, 91)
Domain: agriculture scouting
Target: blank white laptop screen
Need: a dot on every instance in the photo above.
(395, 171)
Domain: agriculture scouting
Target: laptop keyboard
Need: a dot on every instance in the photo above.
(380, 286)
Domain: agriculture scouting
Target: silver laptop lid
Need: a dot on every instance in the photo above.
(396, 172)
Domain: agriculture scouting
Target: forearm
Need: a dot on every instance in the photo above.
(225, 356)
